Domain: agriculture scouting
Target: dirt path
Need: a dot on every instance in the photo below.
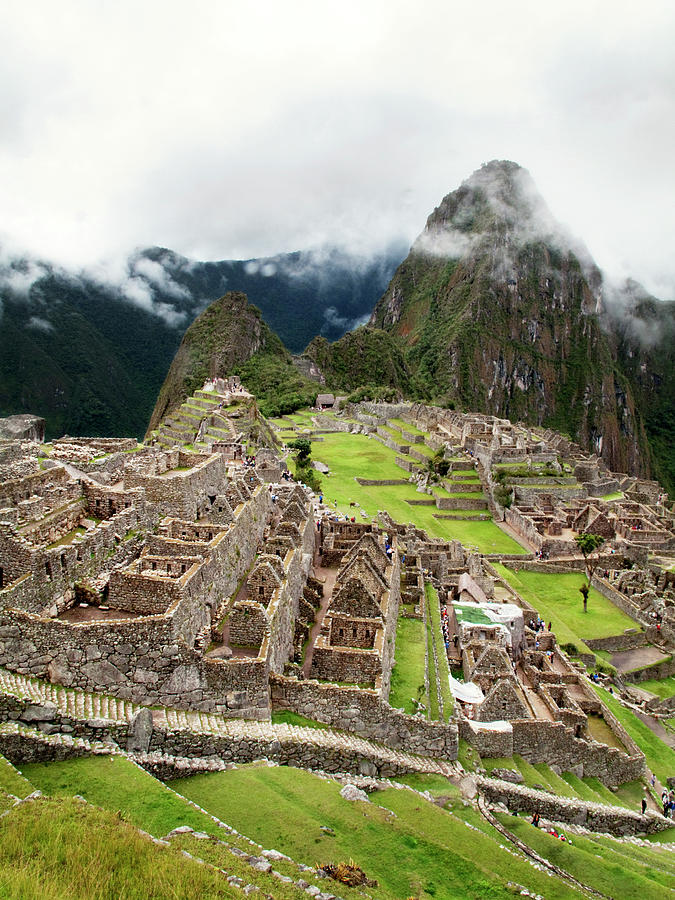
(657, 728)
(327, 576)
(626, 660)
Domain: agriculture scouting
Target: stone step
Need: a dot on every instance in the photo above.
(85, 706)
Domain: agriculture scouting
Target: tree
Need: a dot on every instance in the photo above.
(588, 543)
(304, 448)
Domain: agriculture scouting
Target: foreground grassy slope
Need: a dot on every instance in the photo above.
(114, 782)
(67, 850)
(603, 866)
(409, 845)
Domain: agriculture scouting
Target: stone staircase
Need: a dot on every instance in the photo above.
(182, 425)
(290, 741)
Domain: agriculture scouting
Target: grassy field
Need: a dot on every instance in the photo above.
(408, 673)
(434, 627)
(11, 782)
(409, 845)
(353, 455)
(557, 599)
(67, 850)
(664, 688)
(659, 757)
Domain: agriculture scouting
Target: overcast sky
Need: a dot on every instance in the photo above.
(238, 129)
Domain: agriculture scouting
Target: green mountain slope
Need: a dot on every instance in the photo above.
(496, 309)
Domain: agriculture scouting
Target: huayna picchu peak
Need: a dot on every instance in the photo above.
(499, 309)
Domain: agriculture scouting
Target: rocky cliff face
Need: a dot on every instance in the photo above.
(499, 310)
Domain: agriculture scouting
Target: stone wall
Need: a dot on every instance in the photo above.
(628, 641)
(491, 743)
(553, 743)
(460, 503)
(365, 713)
(659, 670)
(151, 659)
(176, 492)
(593, 816)
(48, 573)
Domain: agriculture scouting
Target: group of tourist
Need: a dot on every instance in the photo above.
(668, 801)
(445, 626)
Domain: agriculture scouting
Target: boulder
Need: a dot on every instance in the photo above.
(140, 732)
(351, 792)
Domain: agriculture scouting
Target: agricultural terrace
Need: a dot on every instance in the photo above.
(660, 758)
(352, 456)
(421, 659)
(409, 845)
(557, 600)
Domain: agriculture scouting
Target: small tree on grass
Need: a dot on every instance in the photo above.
(304, 448)
(588, 543)
(303, 465)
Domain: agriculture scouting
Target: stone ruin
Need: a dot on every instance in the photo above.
(206, 581)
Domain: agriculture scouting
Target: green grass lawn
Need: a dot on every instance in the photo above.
(12, 781)
(434, 625)
(664, 688)
(659, 757)
(115, 783)
(557, 599)
(406, 426)
(287, 717)
(408, 673)
(67, 850)
(354, 455)
(409, 845)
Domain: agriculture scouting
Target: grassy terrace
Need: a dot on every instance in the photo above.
(421, 850)
(406, 426)
(557, 599)
(434, 627)
(659, 756)
(604, 865)
(407, 676)
(663, 688)
(67, 850)
(114, 782)
(353, 455)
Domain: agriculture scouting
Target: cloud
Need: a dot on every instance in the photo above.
(157, 277)
(20, 276)
(40, 324)
(334, 321)
(283, 126)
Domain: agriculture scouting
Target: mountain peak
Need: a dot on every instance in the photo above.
(498, 200)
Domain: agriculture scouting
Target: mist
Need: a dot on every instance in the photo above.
(234, 131)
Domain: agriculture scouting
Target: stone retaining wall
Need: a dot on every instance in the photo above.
(365, 713)
(380, 482)
(593, 816)
(618, 642)
(460, 503)
(656, 671)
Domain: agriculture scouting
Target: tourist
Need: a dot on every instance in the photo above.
(535, 820)
(644, 805)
